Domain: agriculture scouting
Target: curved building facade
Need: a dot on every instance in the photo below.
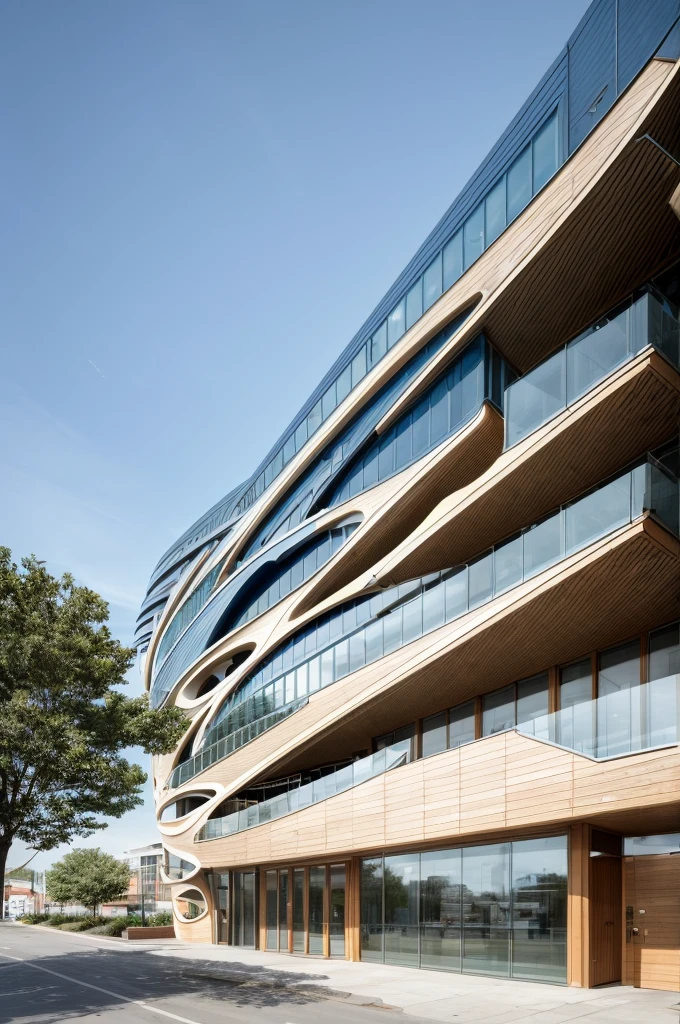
(429, 652)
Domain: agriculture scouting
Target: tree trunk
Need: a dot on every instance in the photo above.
(4, 851)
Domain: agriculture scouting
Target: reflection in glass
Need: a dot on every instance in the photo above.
(317, 879)
(372, 909)
(462, 724)
(336, 925)
(598, 513)
(190, 904)
(486, 909)
(271, 910)
(473, 236)
(299, 910)
(440, 909)
(519, 184)
(539, 896)
(401, 910)
(545, 147)
(283, 911)
(498, 711)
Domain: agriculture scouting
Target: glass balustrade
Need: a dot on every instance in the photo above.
(562, 379)
(304, 796)
(625, 722)
(216, 751)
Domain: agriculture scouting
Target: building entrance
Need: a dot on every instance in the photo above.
(652, 900)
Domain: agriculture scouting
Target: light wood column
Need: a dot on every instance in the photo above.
(578, 907)
(353, 905)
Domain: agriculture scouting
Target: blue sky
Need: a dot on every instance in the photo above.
(201, 204)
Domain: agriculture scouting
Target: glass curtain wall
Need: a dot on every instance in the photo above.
(244, 909)
(499, 910)
(336, 924)
(317, 881)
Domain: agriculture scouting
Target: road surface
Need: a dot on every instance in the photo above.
(50, 977)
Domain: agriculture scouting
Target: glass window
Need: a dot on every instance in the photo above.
(336, 925)
(486, 909)
(494, 212)
(539, 897)
(379, 344)
(432, 281)
(359, 366)
(508, 565)
(289, 449)
(545, 153)
(462, 724)
(434, 734)
(372, 909)
(401, 909)
(532, 698)
(314, 419)
(414, 303)
(271, 910)
(542, 545)
(328, 401)
(519, 184)
(343, 385)
(283, 911)
(317, 881)
(299, 910)
(619, 669)
(664, 652)
(453, 259)
(396, 323)
(575, 723)
(473, 236)
(300, 435)
(498, 711)
(597, 514)
(440, 909)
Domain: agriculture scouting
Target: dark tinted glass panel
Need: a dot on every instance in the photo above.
(440, 909)
(576, 722)
(619, 716)
(283, 911)
(545, 153)
(336, 925)
(434, 735)
(664, 652)
(299, 910)
(486, 909)
(598, 513)
(539, 892)
(532, 698)
(401, 910)
(414, 303)
(499, 711)
(271, 910)
(432, 282)
(453, 260)
(494, 205)
(461, 724)
(372, 909)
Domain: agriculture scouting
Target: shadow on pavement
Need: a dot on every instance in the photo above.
(27, 994)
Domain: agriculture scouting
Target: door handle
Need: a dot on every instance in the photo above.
(635, 931)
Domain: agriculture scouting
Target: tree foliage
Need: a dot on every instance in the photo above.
(64, 723)
(90, 877)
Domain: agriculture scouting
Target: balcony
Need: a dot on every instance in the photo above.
(580, 365)
(216, 751)
(615, 724)
(304, 796)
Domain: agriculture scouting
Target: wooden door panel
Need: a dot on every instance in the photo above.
(656, 948)
(605, 920)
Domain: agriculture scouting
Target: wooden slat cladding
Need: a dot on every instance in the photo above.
(652, 957)
(500, 784)
(620, 586)
(628, 414)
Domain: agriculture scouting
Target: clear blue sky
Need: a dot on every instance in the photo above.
(202, 201)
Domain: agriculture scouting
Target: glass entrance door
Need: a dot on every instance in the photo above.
(336, 924)
(276, 910)
(223, 907)
(244, 907)
(317, 882)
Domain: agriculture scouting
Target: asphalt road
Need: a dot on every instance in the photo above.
(47, 978)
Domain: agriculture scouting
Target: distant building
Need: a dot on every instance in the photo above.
(145, 880)
(24, 892)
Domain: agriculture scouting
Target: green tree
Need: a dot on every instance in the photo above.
(90, 877)
(64, 723)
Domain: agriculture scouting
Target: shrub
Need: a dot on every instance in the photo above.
(34, 918)
(159, 920)
(81, 924)
(54, 920)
